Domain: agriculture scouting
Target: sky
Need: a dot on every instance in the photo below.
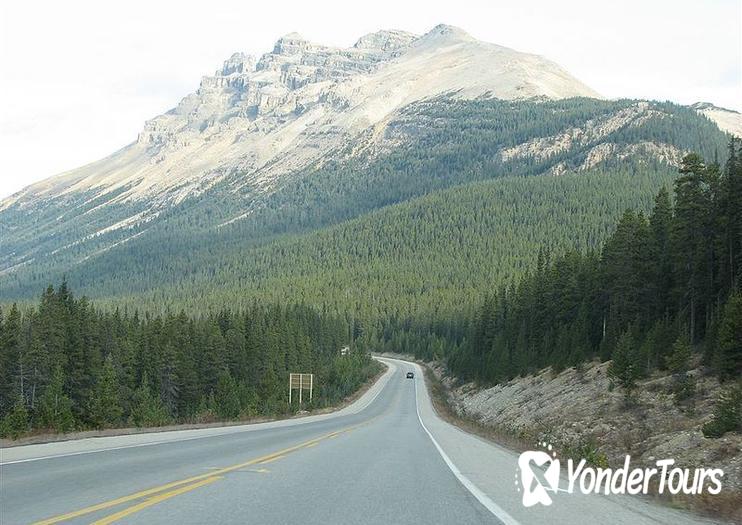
(79, 78)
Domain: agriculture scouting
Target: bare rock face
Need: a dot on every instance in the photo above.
(255, 120)
(389, 41)
(236, 64)
(246, 89)
(728, 120)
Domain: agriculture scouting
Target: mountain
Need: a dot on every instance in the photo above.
(727, 119)
(271, 151)
(264, 118)
(268, 117)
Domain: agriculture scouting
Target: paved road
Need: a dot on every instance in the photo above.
(386, 459)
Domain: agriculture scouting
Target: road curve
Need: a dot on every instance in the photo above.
(387, 458)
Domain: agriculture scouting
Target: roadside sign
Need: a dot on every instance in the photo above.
(301, 382)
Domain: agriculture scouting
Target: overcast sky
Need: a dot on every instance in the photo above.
(79, 78)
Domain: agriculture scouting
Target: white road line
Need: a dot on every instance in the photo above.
(383, 380)
(485, 500)
(121, 447)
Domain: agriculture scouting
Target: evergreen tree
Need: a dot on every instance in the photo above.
(623, 367)
(651, 278)
(105, 406)
(659, 285)
(54, 410)
(147, 410)
(679, 362)
(729, 361)
(692, 216)
(16, 421)
(727, 415)
(11, 377)
(227, 396)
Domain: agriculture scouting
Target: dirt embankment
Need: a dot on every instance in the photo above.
(580, 414)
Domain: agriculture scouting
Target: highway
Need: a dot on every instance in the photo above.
(385, 459)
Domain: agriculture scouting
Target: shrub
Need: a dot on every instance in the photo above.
(727, 414)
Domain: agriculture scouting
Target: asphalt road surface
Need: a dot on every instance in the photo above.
(386, 459)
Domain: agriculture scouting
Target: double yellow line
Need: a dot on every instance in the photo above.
(157, 494)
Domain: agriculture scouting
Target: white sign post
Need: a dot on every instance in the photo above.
(301, 382)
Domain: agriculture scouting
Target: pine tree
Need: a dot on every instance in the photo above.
(169, 380)
(15, 422)
(729, 360)
(227, 397)
(104, 409)
(692, 210)
(54, 410)
(147, 410)
(659, 284)
(623, 368)
(727, 415)
(679, 362)
(12, 386)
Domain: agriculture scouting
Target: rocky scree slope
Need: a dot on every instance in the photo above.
(579, 411)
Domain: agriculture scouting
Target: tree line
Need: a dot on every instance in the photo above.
(662, 285)
(64, 365)
(439, 144)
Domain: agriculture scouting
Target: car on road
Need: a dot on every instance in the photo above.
(410, 375)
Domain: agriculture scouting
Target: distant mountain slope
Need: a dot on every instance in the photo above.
(264, 118)
(223, 246)
(427, 256)
(727, 119)
(308, 137)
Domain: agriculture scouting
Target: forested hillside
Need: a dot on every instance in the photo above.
(430, 146)
(67, 366)
(396, 242)
(427, 255)
(662, 284)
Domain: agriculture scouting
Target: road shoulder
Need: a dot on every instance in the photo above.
(492, 470)
(89, 445)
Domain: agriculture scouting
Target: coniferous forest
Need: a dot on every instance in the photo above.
(662, 284)
(67, 366)
(438, 249)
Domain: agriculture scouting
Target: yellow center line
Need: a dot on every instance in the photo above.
(167, 486)
(154, 500)
(279, 457)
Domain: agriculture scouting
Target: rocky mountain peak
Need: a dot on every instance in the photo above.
(238, 63)
(298, 102)
(727, 119)
(290, 44)
(447, 32)
(385, 40)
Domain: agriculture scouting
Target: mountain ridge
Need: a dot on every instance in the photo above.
(310, 93)
(428, 146)
(307, 136)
